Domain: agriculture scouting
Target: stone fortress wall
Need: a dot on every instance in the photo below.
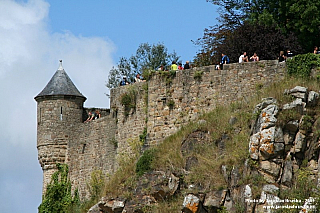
(163, 105)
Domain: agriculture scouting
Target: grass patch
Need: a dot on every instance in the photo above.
(129, 99)
(145, 161)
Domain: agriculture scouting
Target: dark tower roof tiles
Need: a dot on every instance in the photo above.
(60, 84)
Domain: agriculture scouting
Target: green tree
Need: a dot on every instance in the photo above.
(266, 41)
(147, 57)
(116, 73)
(301, 17)
(58, 196)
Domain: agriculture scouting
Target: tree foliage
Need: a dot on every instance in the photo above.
(58, 196)
(266, 41)
(147, 57)
(260, 21)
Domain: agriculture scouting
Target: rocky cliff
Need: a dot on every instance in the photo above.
(262, 160)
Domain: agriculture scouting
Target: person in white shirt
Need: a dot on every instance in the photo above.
(243, 57)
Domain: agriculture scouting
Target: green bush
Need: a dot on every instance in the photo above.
(128, 99)
(96, 184)
(58, 196)
(198, 75)
(145, 161)
(170, 103)
(143, 136)
(301, 65)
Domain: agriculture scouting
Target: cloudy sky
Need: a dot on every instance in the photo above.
(89, 36)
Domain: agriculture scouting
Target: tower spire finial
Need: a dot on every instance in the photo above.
(60, 65)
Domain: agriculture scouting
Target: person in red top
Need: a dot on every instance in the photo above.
(180, 67)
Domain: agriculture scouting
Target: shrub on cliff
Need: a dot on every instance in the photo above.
(58, 196)
(145, 161)
(301, 65)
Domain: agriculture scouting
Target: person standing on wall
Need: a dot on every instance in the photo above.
(174, 66)
(187, 65)
(224, 60)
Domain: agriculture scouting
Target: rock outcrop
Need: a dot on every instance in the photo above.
(284, 141)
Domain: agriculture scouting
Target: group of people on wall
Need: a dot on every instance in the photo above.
(283, 56)
(243, 58)
(93, 116)
(174, 66)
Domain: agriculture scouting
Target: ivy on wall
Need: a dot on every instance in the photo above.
(58, 196)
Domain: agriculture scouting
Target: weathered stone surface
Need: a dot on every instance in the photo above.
(247, 194)
(270, 167)
(160, 185)
(111, 205)
(266, 150)
(94, 209)
(313, 98)
(191, 204)
(298, 92)
(278, 148)
(278, 136)
(234, 177)
(270, 189)
(267, 117)
(288, 139)
(267, 135)
(287, 172)
(215, 199)
(300, 142)
(248, 201)
(233, 120)
(297, 104)
(265, 102)
(269, 112)
(292, 126)
(267, 200)
(225, 173)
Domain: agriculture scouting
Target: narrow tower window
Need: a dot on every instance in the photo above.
(83, 148)
(61, 114)
(39, 119)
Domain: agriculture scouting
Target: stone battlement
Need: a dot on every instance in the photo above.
(161, 106)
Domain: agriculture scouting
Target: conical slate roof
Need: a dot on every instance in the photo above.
(60, 84)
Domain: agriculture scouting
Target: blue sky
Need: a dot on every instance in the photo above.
(89, 36)
(130, 23)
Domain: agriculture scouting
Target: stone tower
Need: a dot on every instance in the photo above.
(59, 109)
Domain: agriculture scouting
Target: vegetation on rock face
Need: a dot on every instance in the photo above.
(145, 161)
(301, 65)
(129, 99)
(58, 197)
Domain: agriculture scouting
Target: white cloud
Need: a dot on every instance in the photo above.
(29, 56)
